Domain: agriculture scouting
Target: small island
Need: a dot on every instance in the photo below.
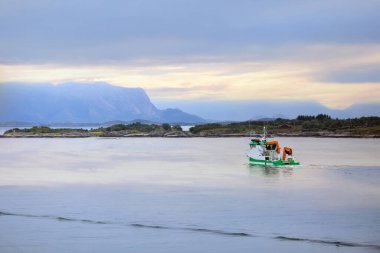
(321, 125)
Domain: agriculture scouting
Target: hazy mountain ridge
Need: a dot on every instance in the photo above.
(99, 103)
(226, 110)
(76, 103)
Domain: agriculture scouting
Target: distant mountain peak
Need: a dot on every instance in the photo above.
(82, 102)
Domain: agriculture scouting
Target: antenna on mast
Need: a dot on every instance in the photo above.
(249, 127)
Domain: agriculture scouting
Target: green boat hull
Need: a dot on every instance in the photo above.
(256, 162)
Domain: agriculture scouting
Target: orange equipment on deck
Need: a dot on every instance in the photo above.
(286, 151)
(278, 149)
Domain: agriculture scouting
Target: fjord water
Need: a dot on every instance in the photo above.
(187, 195)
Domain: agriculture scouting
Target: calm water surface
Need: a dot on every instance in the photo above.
(187, 195)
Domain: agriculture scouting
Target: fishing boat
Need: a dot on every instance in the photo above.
(265, 152)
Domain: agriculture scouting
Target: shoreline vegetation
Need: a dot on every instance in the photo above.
(321, 125)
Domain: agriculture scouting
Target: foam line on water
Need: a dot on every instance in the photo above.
(204, 230)
(332, 242)
(58, 218)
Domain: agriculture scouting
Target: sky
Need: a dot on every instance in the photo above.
(325, 52)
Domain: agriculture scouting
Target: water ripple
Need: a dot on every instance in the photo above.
(204, 230)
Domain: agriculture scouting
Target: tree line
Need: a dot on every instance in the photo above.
(302, 123)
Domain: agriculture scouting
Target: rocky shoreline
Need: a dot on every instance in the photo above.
(175, 134)
(320, 126)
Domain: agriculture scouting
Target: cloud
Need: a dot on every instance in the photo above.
(271, 80)
(217, 49)
(98, 31)
(197, 91)
(354, 75)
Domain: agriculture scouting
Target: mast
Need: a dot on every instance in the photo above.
(265, 133)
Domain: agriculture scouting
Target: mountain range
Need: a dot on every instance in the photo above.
(225, 110)
(79, 103)
(102, 103)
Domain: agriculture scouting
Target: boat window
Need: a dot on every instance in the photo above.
(271, 147)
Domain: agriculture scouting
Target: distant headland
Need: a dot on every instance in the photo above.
(321, 125)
